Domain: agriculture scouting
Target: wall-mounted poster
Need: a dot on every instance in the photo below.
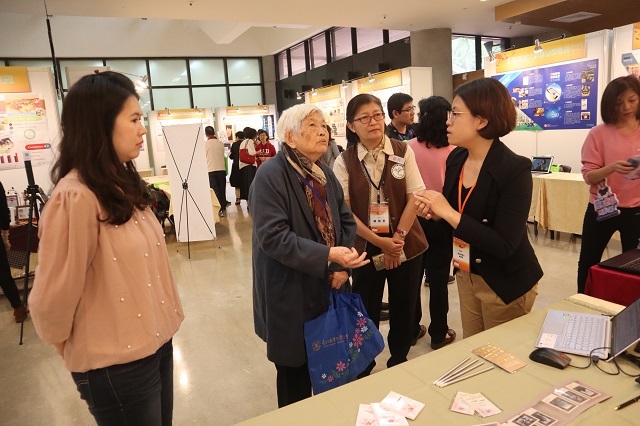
(631, 64)
(23, 127)
(555, 97)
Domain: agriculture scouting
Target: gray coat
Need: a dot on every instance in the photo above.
(290, 270)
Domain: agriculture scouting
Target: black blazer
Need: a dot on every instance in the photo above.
(494, 220)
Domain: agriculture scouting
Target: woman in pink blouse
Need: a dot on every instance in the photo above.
(104, 294)
(605, 156)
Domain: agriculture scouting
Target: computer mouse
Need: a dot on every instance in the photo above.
(550, 357)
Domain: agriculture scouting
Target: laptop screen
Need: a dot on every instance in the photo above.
(625, 328)
(541, 164)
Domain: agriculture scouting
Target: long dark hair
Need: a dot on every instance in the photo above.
(352, 107)
(432, 121)
(88, 118)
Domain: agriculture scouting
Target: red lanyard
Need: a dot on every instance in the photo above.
(461, 204)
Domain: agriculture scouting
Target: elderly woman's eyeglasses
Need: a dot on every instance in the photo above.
(451, 115)
(367, 118)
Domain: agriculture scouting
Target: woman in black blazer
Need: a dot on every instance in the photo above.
(485, 200)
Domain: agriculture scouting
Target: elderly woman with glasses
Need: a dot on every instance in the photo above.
(303, 232)
(378, 176)
(485, 202)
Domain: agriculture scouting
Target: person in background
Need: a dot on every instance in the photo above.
(215, 165)
(104, 295)
(234, 154)
(247, 171)
(605, 155)
(7, 283)
(264, 149)
(401, 113)
(485, 203)
(432, 149)
(379, 176)
(333, 152)
(302, 245)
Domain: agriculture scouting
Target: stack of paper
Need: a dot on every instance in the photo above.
(468, 403)
(394, 409)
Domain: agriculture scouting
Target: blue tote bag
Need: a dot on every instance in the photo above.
(327, 341)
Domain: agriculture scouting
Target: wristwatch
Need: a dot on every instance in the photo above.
(402, 233)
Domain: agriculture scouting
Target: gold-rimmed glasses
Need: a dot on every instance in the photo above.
(367, 118)
(451, 115)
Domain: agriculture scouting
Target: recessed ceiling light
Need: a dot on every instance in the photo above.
(575, 17)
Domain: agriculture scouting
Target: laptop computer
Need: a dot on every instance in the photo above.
(629, 261)
(582, 334)
(541, 165)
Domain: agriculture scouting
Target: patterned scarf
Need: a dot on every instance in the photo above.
(320, 208)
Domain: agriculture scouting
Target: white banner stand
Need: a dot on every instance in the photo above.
(189, 183)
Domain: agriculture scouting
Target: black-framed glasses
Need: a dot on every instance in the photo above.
(413, 108)
(367, 118)
(451, 115)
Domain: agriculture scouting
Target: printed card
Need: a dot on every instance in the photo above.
(366, 416)
(402, 405)
(386, 417)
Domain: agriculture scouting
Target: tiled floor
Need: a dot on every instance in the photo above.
(222, 375)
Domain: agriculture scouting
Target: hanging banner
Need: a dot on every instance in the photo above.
(171, 117)
(636, 36)
(14, 80)
(23, 127)
(381, 81)
(556, 97)
(325, 94)
(247, 110)
(563, 50)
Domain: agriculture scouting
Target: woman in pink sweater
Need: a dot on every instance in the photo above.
(605, 156)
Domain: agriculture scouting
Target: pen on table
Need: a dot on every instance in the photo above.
(628, 403)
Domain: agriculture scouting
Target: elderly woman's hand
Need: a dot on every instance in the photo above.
(337, 279)
(347, 257)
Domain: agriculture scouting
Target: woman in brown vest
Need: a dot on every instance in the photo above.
(378, 176)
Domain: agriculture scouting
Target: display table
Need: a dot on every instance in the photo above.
(509, 392)
(613, 286)
(560, 201)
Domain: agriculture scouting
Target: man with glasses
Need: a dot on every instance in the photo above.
(401, 112)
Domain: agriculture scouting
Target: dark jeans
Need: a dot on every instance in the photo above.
(6, 280)
(404, 288)
(293, 384)
(139, 393)
(437, 259)
(596, 236)
(218, 182)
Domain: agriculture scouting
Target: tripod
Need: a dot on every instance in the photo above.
(33, 195)
(186, 193)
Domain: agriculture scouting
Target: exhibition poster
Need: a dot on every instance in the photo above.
(630, 63)
(555, 97)
(23, 127)
(635, 44)
(330, 101)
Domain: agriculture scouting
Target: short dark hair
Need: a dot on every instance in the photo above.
(396, 102)
(209, 131)
(352, 108)
(240, 135)
(260, 131)
(88, 118)
(432, 121)
(489, 99)
(609, 102)
(250, 133)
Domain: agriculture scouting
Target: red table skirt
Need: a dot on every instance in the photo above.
(613, 286)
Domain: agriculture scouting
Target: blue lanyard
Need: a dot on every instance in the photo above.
(315, 192)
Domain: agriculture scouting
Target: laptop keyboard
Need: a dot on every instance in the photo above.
(634, 265)
(584, 333)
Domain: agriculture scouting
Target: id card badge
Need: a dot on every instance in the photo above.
(379, 218)
(461, 255)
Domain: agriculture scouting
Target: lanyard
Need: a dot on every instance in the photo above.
(461, 204)
(315, 192)
(381, 183)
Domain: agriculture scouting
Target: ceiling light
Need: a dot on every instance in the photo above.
(575, 17)
(344, 84)
(298, 96)
(537, 48)
(314, 92)
(142, 83)
(371, 78)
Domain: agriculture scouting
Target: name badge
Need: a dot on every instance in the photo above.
(397, 171)
(396, 159)
(461, 255)
(379, 218)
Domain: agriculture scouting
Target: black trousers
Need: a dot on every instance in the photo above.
(404, 288)
(437, 261)
(6, 280)
(218, 182)
(596, 236)
(293, 384)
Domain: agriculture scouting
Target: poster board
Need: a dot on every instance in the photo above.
(186, 143)
(235, 118)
